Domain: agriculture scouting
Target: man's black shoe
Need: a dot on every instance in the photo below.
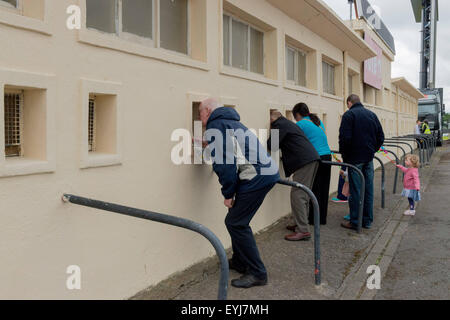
(238, 268)
(248, 281)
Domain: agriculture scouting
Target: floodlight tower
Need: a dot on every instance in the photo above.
(426, 12)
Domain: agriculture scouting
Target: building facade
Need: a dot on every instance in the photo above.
(90, 110)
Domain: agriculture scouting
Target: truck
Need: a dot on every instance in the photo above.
(432, 109)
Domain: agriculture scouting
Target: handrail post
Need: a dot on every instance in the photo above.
(426, 151)
(383, 180)
(317, 267)
(166, 219)
(396, 169)
(362, 191)
(404, 156)
(423, 147)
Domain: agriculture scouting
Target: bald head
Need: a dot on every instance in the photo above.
(275, 115)
(206, 108)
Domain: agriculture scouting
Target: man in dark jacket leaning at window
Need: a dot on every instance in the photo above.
(247, 173)
(300, 158)
(360, 137)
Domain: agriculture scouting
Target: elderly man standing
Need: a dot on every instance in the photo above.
(360, 137)
(246, 173)
(301, 160)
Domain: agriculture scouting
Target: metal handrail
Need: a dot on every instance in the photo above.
(400, 142)
(419, 146)
(363, 188)
(383, 181)
(424, 140)
(428, 145)
(395, 146)
(397, 161)
(166, 219)
(404, 156)
(317, 267)
(383, 178)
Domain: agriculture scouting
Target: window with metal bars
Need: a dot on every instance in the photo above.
(13, 124)
(91, 125)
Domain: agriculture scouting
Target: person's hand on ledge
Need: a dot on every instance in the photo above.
(197, 141)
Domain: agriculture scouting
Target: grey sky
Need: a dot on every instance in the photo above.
(399, 18)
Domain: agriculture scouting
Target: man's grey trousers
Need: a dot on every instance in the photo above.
(299, 199)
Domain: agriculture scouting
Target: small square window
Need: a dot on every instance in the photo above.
(290, 115)
(25, 123)
(325, 121)
(102, 126)
(91, 125)
(13, 124)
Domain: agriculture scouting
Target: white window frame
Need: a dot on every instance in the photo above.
(296, 80)
(249, 26)
(21, 124)
(156, 28)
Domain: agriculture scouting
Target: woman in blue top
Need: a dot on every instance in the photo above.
(316, 133)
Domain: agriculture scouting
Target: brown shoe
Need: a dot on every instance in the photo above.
(291, 228)
(348, 225)
(298, 236)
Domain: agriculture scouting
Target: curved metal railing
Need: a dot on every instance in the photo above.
(166, 219)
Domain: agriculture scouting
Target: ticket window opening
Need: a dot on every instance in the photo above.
(198, 130)
(325, 121)
(290, 116)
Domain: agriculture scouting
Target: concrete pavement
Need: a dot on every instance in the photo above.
(421, 266)
(345, 254)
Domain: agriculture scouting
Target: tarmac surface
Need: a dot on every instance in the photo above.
(422, 260)
(421, 267)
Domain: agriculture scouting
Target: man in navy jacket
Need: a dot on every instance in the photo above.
(247, 173)
(360, 137)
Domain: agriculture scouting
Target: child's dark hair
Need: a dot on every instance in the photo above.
(303, 110)
(414, 159)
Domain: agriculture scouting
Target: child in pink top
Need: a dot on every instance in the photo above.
(411, 182)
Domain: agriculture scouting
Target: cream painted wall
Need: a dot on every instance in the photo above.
(119, 256)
